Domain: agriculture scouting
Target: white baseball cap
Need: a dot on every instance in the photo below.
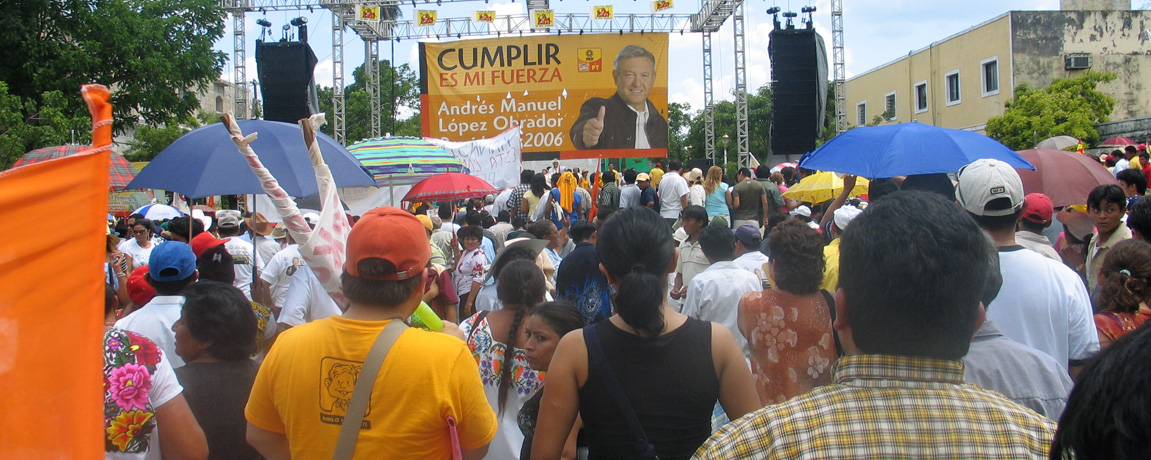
(845, 214)
(985, 181)
(802, 210)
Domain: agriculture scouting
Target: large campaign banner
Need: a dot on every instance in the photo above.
(573, 96)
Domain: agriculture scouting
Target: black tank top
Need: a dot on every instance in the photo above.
(669, 380)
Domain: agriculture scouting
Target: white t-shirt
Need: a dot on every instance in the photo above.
(1044, 305)
(266, 248)
(714, 294)
(241, 252)
(671, 188)
(278, 273)
(754, 262)
(306, 300)
(154, 320)
(138, 254)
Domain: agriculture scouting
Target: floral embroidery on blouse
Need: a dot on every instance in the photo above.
(129, 362)
(489, 355)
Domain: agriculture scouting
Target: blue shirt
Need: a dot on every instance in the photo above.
(716, 203)
(557, 209)
(579, 280)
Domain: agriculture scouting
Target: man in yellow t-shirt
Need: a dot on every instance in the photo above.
(842, 217)
(302, 391)
(656, 175)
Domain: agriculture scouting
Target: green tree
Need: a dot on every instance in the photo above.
(357, 104)
(1068, 107)
(678, 125)
(153, 54)
(27, 124)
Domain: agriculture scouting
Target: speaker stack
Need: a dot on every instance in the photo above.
(798, 90)
(285, 70)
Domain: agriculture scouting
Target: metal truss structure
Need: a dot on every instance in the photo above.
(709, 19)
(839, 66)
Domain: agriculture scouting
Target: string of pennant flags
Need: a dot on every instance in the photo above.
(540, 18)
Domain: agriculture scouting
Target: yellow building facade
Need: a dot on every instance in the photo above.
(963, 80)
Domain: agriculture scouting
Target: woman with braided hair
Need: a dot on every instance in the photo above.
(1124, 290)
(508, 379)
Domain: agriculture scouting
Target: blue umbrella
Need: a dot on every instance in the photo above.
(906, 149)
(205, 162)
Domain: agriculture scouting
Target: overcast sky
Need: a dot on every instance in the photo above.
(875, 31)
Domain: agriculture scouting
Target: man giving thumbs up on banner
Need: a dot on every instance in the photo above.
(627, 120)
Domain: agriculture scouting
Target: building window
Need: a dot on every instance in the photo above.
(219, 104)
(861, 113)
(889, 106)
(921, 97)
(951, 82)
(990, 76)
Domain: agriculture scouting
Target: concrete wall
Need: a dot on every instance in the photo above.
(1089, 5)
(966, 53)
(1136, 129)
(1117, 42)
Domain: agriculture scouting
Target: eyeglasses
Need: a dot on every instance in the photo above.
(139, 232)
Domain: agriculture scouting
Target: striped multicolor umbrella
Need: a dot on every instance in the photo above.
(120, 172)
(403, 160)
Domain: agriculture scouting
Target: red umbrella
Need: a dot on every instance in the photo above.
(449, 187)
(120, 172)
(1065, 177)
(1117, 142)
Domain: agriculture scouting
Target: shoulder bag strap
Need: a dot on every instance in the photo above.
(598, 360)
(831, 309)
(354, 417)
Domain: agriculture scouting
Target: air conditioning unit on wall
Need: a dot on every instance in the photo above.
(1077, 62)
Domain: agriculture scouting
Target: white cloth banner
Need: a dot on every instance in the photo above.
(496, 160)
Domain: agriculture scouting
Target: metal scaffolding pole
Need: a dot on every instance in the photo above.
(338, 79)
(239, 80)
(741, 142)
(708, 107)
(839, 66)
(372, 66)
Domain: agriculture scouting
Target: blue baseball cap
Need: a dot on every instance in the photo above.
(171, 261)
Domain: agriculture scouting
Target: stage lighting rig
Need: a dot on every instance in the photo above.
(264, 26)
(790, 15)
(301, 24)
(774, 12)
(808, 10)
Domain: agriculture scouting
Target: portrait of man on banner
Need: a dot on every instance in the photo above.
(628, 119)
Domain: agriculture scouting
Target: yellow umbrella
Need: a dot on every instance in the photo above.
(823, 186)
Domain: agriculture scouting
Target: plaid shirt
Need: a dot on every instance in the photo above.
(517, 196)
(883, 406)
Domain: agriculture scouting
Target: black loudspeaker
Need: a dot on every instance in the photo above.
(285, 70)
(702, 163)
(799, 89)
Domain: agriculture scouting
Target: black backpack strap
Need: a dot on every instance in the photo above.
(831, 309)
(597, 360)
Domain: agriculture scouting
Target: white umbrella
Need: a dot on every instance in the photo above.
(158, 212)
(1057, 143)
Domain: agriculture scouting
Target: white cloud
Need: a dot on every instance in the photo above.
(690, 92)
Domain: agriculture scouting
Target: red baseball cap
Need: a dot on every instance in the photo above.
(391, 234)
(205, 241)
(1037, 208)
(138, 288)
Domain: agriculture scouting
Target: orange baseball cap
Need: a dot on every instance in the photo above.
(391, 234)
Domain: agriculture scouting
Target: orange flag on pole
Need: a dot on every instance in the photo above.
(51, 308)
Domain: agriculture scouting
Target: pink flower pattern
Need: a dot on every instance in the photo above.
(129, 386)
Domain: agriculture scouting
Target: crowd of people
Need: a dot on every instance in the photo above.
(663, 314)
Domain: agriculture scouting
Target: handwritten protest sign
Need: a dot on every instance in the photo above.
(496, 160)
